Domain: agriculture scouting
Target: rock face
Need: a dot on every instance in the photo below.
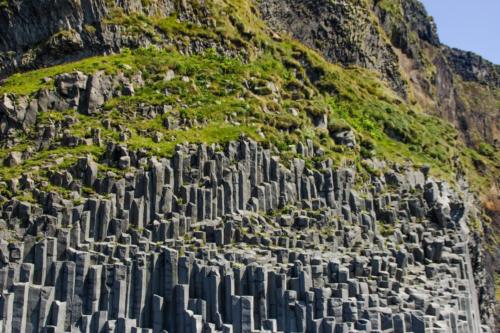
(86, 93)
(345, 32)
(473, 68)
(402, 28)
(341, 30)
(402, 43)
(455, 73)
(74, 29)
(237, 237)
(231, 240)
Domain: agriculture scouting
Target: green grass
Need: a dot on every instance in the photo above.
(386, 230)
(221, 87)
(47, 158)
(29, 82)
(172, 26)
(213, 133)
(216, 90)
(4, 4)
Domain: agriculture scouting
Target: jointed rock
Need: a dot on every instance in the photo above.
(233, 240)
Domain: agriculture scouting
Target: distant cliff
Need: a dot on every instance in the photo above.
(407, 53)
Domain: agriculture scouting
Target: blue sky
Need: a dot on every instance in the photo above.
(471, 25)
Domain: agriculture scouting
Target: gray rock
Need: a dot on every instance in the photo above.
(170, 247)
(345, 138)
(13, 159)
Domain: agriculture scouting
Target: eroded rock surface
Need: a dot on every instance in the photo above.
(74, 29)
(341, 30)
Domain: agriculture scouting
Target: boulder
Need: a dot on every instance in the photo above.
(13, 159)
(345, 138)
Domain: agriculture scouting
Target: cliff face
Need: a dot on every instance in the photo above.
(43, 33)
(243, 166)
(442, 78)
(342, 30)
(472, 68)
(395, 38)
(442, 72)
(345, 32)
(399, 40)
(188, 246)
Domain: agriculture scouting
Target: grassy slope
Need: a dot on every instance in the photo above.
(386, 126)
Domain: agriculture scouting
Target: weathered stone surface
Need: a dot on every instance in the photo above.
(353, 43)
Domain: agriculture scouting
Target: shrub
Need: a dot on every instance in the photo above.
(486, 150)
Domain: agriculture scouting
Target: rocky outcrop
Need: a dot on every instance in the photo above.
(344, 32)
(235, 237)
(341, 30)
(436, 72)
(86, 93)
(472, 67)
(30, 38)
(231, 240)
(407, 23)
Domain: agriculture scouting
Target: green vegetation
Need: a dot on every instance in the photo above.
(486, 149)
(4, 4)
(386, 230)
(393, 7)
(30, 82)
(497, 287)
(269, 95)
(172, 26)
(213, 133)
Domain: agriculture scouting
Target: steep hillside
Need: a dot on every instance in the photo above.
(404, 48)
(441, 77)
(396, 38)
(222, 165)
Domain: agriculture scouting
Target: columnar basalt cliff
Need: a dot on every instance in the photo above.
(243, 166)
(194, 244)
